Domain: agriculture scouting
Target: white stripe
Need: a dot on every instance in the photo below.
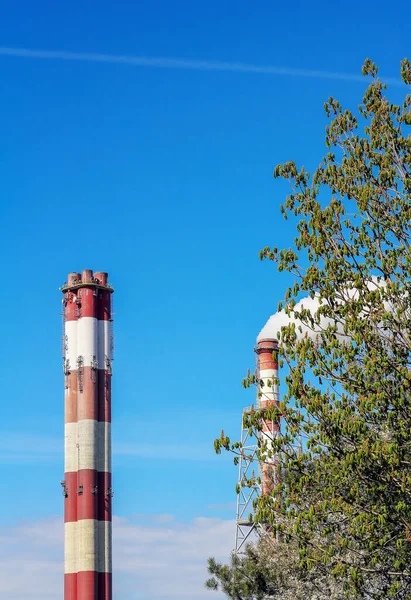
(269, 373)
(88, 444)
(70, 448)
(70, 344)
(104, 447)
(269, 392)
(94, 440)
(105, 343)
(104, 547)
(70, 547)
(87, 340)
(94, 446)
(87, 544)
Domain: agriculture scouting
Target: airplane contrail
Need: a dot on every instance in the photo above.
(179, 63)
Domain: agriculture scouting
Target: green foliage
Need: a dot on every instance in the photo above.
(271, 570)
(346, 498)
(244, 579)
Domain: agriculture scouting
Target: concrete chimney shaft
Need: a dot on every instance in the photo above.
(87, 485)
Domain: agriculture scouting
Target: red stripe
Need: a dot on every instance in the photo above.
(94, 402)
(73, 278)
(87, 500)
(87, 585)
(267, 363)
(104, 500)
(88, 301)
(105, 586)
(87, 400)
(265, 350)
(70, 502)
(102, 277)
(83, 503)
(264, 403)
(267, 343)
(104, 305)
(70, 586)
(88, 582)
(71, 309)
(104, 392)
(86, 275)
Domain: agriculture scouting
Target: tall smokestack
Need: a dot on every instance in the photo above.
(248, 488)
(87, 486)
(268, 395)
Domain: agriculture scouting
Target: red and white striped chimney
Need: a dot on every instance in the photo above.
(268, 395)
(87, 486)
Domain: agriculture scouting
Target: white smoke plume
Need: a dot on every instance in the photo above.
(272, 328)
(280, 319)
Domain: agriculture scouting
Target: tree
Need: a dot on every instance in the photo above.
(271, 571)
(346, 499)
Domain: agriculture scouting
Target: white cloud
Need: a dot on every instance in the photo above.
(154, 559)
(31, 560)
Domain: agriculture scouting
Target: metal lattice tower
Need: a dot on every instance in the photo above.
(248, 462)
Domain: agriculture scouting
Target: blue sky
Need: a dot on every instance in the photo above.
(163, 177)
